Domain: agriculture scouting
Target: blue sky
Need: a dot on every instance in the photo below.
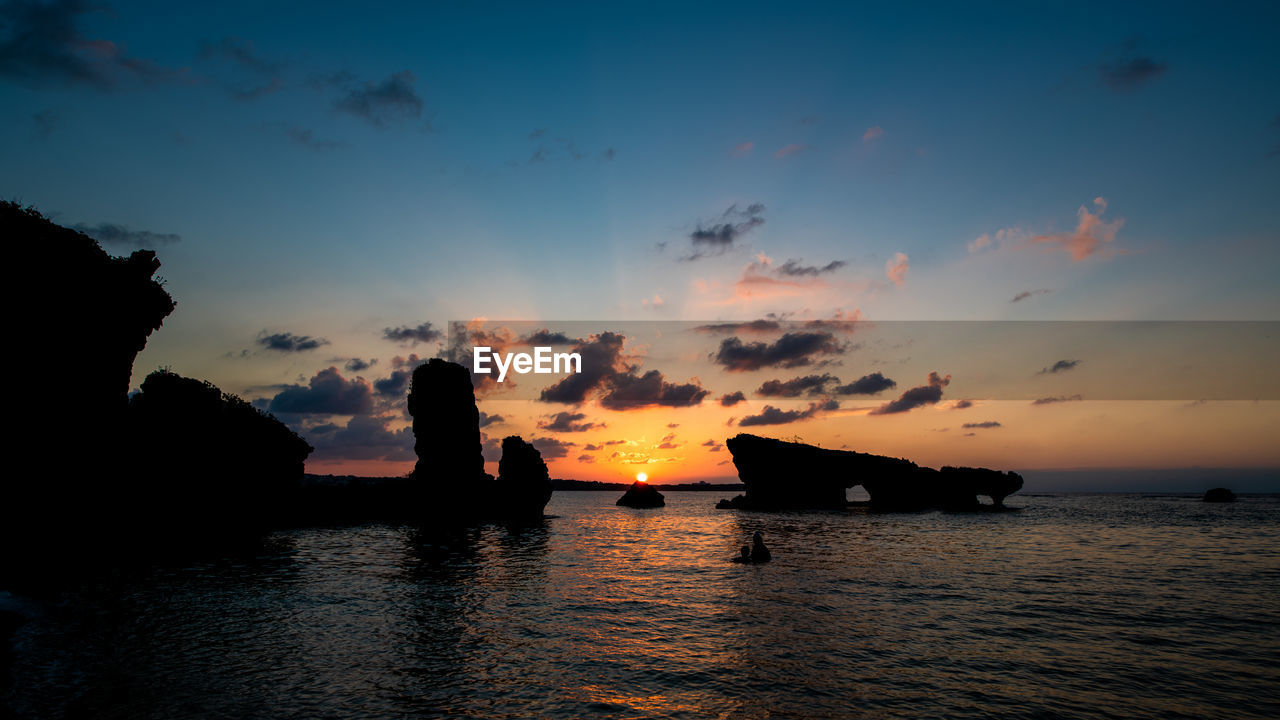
(331, 172)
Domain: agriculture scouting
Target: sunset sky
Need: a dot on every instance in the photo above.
(328, 189)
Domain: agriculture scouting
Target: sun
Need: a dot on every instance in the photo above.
(641, 477)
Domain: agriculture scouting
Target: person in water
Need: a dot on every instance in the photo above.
(759, 553)
(745, 557)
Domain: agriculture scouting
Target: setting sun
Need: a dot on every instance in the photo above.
(642, 477)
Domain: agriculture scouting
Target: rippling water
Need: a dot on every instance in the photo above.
(1075, 606)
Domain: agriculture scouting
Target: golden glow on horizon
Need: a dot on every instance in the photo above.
(642, 477)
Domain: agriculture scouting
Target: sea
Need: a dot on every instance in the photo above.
(1068, 606)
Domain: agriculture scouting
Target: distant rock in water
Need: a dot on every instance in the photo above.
(781, 475)
(449, 481)
(642, 495)
(1219, 495)
(523, 487)
(207, 461)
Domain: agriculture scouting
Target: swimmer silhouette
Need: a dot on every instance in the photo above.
(745, 557)
(759, 553)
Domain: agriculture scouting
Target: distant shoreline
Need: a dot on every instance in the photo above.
(559, 485)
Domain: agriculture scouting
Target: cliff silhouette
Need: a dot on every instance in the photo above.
(782, 475)
(98, 477)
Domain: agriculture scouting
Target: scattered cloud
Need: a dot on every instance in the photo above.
(872, 133)
(792, 149)
(794, 349)
(1060, 366)
(866, 385)
(365, 437)
(654, 302)
(1092, 234)
(393, 99)
(1029, 293)
(264, 73)
(806, 385)
(486, 419)
(43, 45)
(793, 268)
(776, 416)
(928, 394)
(328, 393)
(750, 326)
(113, 234)
(743, 149)
(412, 335)
(1130, 71)
(713, 445)
(962, 405)
(287, 342)
(731, 399)
(627, 391)
(552, 448)
(716, 236)
(358, 365)
(611, 376)
(1058, 399)
(980, 425)
(568, 422)
(896, 268)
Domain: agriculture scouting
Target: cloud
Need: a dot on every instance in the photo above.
(718, 235)
(866, 385)
(608, 154)
(486, 419)
(1058, 399)
(551, 448)
(654, 302)
(927, 394)
(1092, 233)
(794, 349)
(395, 386)
(365, 437)
(1127, 74)
(328, 393)
(358, 365)
(980, 425)
(306, 138)
(896, 268)
(731, 399)
(43, 45)
(1029, 293)
(1060, 366)
(381, 103)
(808, 385)
(962, 404)
(546, 337)
(791, 149)
(775, 416)
(601, 360)
(610, 375)
(792, 268)
(872, 133)
(241, 53)
(751, 326)
(568, 422)
(714, 445)
(287, 342)
(743, 149)
(412, 335)
(113, 234)
(628, 391)
(585, 458)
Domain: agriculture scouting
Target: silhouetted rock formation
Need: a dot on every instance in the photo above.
(523, 486)
(449, 479)
(89, 318)
(782, 475)
(1219, 495)
(642, 495)
(209, 462)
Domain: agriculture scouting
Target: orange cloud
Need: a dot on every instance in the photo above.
(872, 133)
(896, 268)
(791, 149)
(1092, 233)
(743, 148)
